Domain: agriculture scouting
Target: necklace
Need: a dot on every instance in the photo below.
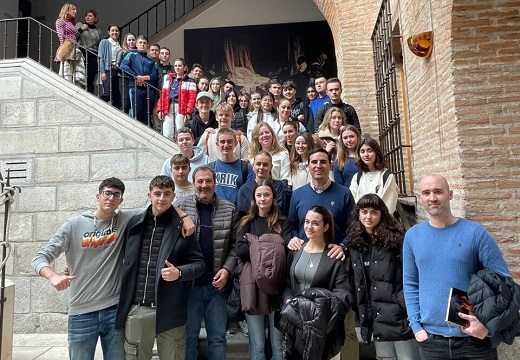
(313, 260)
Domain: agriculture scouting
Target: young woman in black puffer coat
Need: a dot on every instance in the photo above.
(375, 242)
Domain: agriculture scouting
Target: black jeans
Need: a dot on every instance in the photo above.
(438, 347)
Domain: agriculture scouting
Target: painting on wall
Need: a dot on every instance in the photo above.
(251, 55)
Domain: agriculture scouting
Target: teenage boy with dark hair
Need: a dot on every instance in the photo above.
(157, 265)
(275, 88)
(180, 169)
(334, 91)
(196, 71)
(92, 244)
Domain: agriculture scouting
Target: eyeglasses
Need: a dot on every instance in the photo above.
(108, 194)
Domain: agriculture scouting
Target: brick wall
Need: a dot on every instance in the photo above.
(486, 74)
(463, 102)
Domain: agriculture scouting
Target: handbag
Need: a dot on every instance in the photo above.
(65, 50)
(233, 304)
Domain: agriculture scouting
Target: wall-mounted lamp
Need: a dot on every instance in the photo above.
(421, 44)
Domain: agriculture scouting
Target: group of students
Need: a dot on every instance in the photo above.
(271, 155)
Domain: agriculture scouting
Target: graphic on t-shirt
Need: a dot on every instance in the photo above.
(226, 179)
(100, 238)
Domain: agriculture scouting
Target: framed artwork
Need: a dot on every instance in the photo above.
(251, 55)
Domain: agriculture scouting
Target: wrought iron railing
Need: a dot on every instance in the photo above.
(387, 95)
(28, 38)
(160, 16)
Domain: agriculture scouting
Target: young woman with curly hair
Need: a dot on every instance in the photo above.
(375, 242)
(372, 164)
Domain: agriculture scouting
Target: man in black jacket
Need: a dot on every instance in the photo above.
(334, 91)
(157, 262)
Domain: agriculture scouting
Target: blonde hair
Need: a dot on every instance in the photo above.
(65, 10)
(224, 108)
(255, 147)
(328, 116)
(343, 151)
(221, 91)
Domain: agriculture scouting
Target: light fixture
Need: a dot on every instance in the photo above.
(421, 44)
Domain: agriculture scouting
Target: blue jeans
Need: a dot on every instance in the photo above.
(402, 350)
(256, 325)
(206, 303)
(438, 347)
(84, 330)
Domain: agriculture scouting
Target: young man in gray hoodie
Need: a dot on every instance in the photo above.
(92, 243)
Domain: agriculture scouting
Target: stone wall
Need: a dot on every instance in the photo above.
(71, 141)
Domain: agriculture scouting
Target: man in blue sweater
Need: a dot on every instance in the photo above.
(437, 255)
(339, 201)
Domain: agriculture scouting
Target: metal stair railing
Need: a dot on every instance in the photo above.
(160, 16)
(28, 38)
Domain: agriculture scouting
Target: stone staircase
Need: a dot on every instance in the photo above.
(238, 347)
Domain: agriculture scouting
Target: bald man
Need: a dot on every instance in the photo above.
(440, 254)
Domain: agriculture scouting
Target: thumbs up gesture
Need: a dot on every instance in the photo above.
(170, 272)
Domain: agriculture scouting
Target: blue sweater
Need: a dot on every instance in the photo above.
(349, 170)
(317, 103)
(337, 199)
(436, 259)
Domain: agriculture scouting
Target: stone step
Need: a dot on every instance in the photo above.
(238, 347)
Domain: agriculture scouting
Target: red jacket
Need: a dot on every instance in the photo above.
(187, 95)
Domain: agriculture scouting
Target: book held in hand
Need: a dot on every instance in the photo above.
(458, 303)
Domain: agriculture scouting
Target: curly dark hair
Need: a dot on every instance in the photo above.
(387, 234)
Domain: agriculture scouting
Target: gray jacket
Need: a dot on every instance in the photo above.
(224, 230)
